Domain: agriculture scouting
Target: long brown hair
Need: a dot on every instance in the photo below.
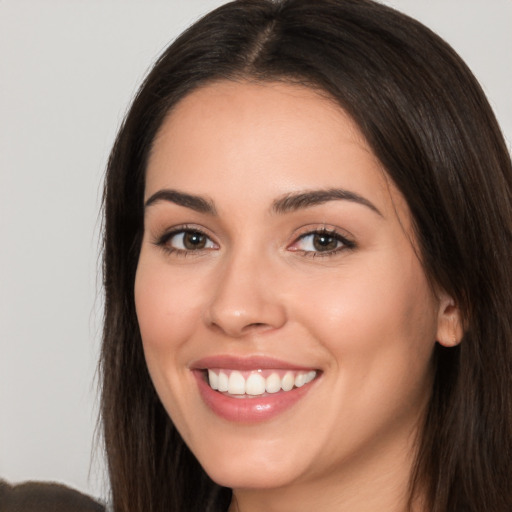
(430, 125)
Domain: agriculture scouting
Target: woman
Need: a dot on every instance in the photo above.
(308, 292)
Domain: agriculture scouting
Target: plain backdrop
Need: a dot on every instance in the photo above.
(68, 70)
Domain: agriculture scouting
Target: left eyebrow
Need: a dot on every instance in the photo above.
(293, 202)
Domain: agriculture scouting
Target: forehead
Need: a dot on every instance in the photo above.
(271, 138)
(259, 106)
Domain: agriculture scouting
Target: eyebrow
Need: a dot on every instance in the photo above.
(285, 204)
(292, 202)
(197, 203)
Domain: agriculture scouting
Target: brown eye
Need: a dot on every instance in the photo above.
(187, 240)
(193, 240)
(324, 242)
(321, 242)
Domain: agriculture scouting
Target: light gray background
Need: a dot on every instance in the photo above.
(67, 72)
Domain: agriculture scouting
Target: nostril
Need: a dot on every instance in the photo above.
(256, 326)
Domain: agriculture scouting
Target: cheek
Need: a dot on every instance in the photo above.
(166, 304)
(379, 329)
(381, 317)
(167, 312)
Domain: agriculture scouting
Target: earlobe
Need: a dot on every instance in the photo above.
(449, 322)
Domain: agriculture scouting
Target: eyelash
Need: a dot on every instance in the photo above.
(346, 244)
(163, 241)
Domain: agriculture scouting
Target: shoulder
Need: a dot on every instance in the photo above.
(43, 497)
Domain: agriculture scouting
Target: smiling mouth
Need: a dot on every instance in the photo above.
(257, 383)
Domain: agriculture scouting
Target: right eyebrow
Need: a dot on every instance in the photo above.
(197, 203)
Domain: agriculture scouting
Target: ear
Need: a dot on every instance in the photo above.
(449, 322)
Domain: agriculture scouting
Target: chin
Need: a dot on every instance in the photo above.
(250, 477)
(252, 469)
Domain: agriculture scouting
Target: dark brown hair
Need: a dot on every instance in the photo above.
(430, 125)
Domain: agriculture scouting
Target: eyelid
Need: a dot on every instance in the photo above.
(341, 236)
(346, 240)
(163, 239)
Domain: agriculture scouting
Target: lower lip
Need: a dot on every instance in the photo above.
(249, 410)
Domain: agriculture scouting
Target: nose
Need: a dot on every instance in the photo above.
(245, 298)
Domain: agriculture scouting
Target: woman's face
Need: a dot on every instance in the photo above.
(279, 258)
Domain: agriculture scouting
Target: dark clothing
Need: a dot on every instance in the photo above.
(44, 497)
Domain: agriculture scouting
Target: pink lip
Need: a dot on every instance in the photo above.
(245, 363)
(253, 409)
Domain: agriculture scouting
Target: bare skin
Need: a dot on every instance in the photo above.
(333, 284)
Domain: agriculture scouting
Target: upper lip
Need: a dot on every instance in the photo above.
(245, 363)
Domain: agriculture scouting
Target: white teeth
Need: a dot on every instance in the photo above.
(255, 384)
(223, 382)
(310, 376)
(213, 378)
(300, 380)
(273, 383)
(288, 381)
(234, 382)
